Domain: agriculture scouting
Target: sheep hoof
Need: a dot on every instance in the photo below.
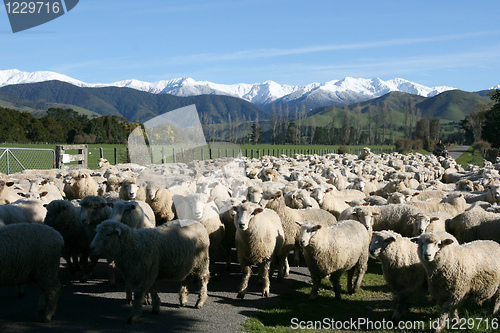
(241, 295)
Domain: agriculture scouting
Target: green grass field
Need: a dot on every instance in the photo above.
(165, 154)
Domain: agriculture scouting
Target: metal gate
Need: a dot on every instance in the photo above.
(14, 160)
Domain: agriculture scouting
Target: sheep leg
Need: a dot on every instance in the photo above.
(316, 280)
(359, 272)
(184, 292)
(155, 300)
(449, 306)
(296, 257)
(246, 270)
(401, 307)
(264, 275)
(335, 279)
(136, 312)
(283, 267)
(496, 302)
(90, 268)
(203, 293)
(47, 302)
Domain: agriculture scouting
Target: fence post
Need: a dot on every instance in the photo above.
(116, 155)
(173, 156)
(101, 152)
(163, 155)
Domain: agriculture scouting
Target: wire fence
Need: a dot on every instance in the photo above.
(14, 160)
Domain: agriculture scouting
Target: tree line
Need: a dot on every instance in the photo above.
(63, 126)
(378, 125)
(483, 124)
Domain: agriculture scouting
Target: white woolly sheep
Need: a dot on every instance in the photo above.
(259, 238)
(491, 195)
(23, 211)
(394, 217)
(453, 204)
(300, 199)
(175, 251)
(6, 196)
(103, 163)
(64, 217)
(365, 153)
(255, 193)
(82, 186)
(423, 222)
(274, 200)
(130, 190)
(331, 250)
(32, 250)
(201, 207)
(131, 214)
(161, 202)
(456, 272)
(475, 224)
(401, 267)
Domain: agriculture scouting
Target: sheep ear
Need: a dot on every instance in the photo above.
(9, 184)
(258, 210)
(44, 193)
(45, 205)
(44, 182)
(415, 239)
(317, 227)
(375, 214)
(447, 241)
(299, 223)
(21, 194)
(328, 190)
(366, 204)
(434, 218)
(118, 231)
(389, 240)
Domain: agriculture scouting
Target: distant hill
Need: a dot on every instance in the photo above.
(453, 105)
(127, 102)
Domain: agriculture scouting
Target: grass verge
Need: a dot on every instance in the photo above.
(368, 310)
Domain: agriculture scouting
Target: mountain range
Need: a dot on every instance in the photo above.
(140, 101)
(312, 96)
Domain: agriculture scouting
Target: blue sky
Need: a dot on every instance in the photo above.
(434, 43)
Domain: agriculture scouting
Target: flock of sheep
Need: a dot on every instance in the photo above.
(432, 225)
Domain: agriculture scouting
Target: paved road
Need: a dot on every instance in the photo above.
(457, 151)
(96, 307)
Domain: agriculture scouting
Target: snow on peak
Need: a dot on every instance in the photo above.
(263, 93)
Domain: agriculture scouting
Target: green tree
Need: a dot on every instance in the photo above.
(491, 126)
(256, 133)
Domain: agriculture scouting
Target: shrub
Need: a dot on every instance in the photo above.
(342, 150)
(481, 146)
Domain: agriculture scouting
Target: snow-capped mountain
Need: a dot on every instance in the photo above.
(263, 94)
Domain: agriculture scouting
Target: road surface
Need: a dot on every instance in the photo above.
(457, 151)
